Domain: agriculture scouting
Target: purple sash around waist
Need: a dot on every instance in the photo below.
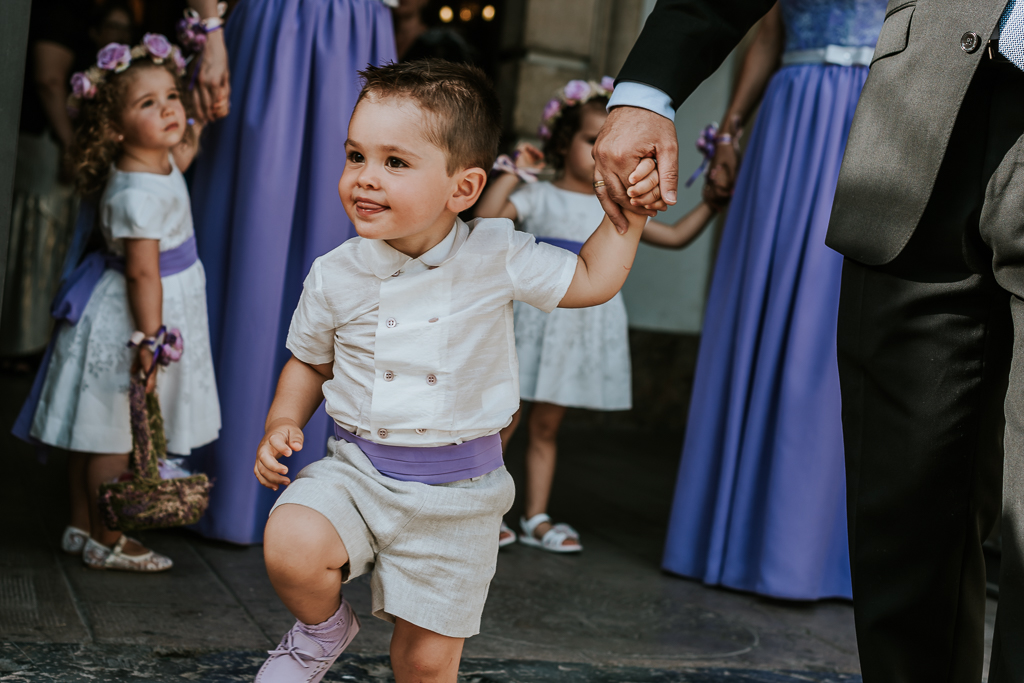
(76, 289)
(70, 302)
(568, 245)
(437, 465)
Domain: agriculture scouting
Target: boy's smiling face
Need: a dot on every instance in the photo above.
(396, 186)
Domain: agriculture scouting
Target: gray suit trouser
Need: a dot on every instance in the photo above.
(926, 352)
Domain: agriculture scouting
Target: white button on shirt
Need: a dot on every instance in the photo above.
(428, 358)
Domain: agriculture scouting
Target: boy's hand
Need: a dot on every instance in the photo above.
(283, 437)
(644, 186)
(529, 157)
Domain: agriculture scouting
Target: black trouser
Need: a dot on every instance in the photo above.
(925, 348)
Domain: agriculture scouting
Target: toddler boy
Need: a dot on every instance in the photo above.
(406, 331)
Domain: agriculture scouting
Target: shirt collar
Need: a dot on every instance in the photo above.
(384, 260)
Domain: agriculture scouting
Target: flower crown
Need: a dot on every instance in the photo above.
(575, 92)
(116, 57)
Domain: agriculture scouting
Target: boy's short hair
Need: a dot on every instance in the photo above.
(467, 115)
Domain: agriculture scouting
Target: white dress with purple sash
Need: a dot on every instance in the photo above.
(83, 404)
(575, 357)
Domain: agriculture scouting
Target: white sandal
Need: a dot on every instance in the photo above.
(506, 536)
(73, 540)
(98, 556)
(553, 539)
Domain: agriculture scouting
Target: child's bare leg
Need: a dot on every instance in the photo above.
(422, 656)
(78, 487)
(304, 557)
(541, 456)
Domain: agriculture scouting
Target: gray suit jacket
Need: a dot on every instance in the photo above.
(906, 113)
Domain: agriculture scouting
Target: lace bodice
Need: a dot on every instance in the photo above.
(817, 23)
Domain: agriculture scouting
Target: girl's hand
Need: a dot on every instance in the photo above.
(143, 362)
(529, 157)
(645, 188)
(283, 437)
(721, 181)
(213, 91)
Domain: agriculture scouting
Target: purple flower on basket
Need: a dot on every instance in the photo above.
(552, 108)
(576, 90)
(82, 87)
(173, 346)
(114, 57)
(608, 83)
(157, 45)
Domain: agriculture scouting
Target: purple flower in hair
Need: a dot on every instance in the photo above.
(114, 57)
(552, 109)
(577, 90)
(178, 59)
(157, 45)
(544, 132)
(608, 83)
(82, 87)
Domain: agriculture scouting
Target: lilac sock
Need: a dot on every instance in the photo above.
(330, 632)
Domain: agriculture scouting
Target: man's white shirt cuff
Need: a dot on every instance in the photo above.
(632, 94)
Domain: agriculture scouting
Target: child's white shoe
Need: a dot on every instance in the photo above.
(98, 556)
(301, 658)
(505, 535)
(73, 540)
(554, 539)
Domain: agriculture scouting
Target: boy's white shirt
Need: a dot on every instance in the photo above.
(423, 349)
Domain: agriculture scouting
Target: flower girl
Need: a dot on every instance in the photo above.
(575, 358)
(132, 140)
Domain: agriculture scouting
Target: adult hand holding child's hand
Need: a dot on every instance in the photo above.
(283, 437)
(629, 135)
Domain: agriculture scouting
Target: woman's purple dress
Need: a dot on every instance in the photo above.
(760, 503)
(265, 202)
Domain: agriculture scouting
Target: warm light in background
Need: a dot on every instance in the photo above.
(446, 14)
(488, 12)
(465, 14)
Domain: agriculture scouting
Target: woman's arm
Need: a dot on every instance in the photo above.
(145, 296)
(213, 91)
(494, 202)
(682, 232)
(52, 70)
(760, 62)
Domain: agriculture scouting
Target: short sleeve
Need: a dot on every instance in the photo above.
(524, 199)
(136, 214)
(540, 273)
(311, 333)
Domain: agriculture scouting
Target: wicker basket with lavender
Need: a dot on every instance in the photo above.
(142, 499)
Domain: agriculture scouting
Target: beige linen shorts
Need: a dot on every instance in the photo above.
(432, 548)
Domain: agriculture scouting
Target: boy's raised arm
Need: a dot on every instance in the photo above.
(604, 263)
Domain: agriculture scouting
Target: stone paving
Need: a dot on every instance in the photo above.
(607, 615)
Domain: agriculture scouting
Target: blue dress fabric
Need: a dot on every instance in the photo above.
(265, 202)
(760, 502)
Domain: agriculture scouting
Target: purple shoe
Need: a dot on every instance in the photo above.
(300, 659)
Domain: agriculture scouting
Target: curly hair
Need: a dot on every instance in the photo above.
(95, 147)
(556, 147)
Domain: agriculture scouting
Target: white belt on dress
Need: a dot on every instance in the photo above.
(840, 55)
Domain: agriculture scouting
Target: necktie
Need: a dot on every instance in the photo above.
(1011, 33)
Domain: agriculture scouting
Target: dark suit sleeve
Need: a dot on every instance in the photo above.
(684, 41)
